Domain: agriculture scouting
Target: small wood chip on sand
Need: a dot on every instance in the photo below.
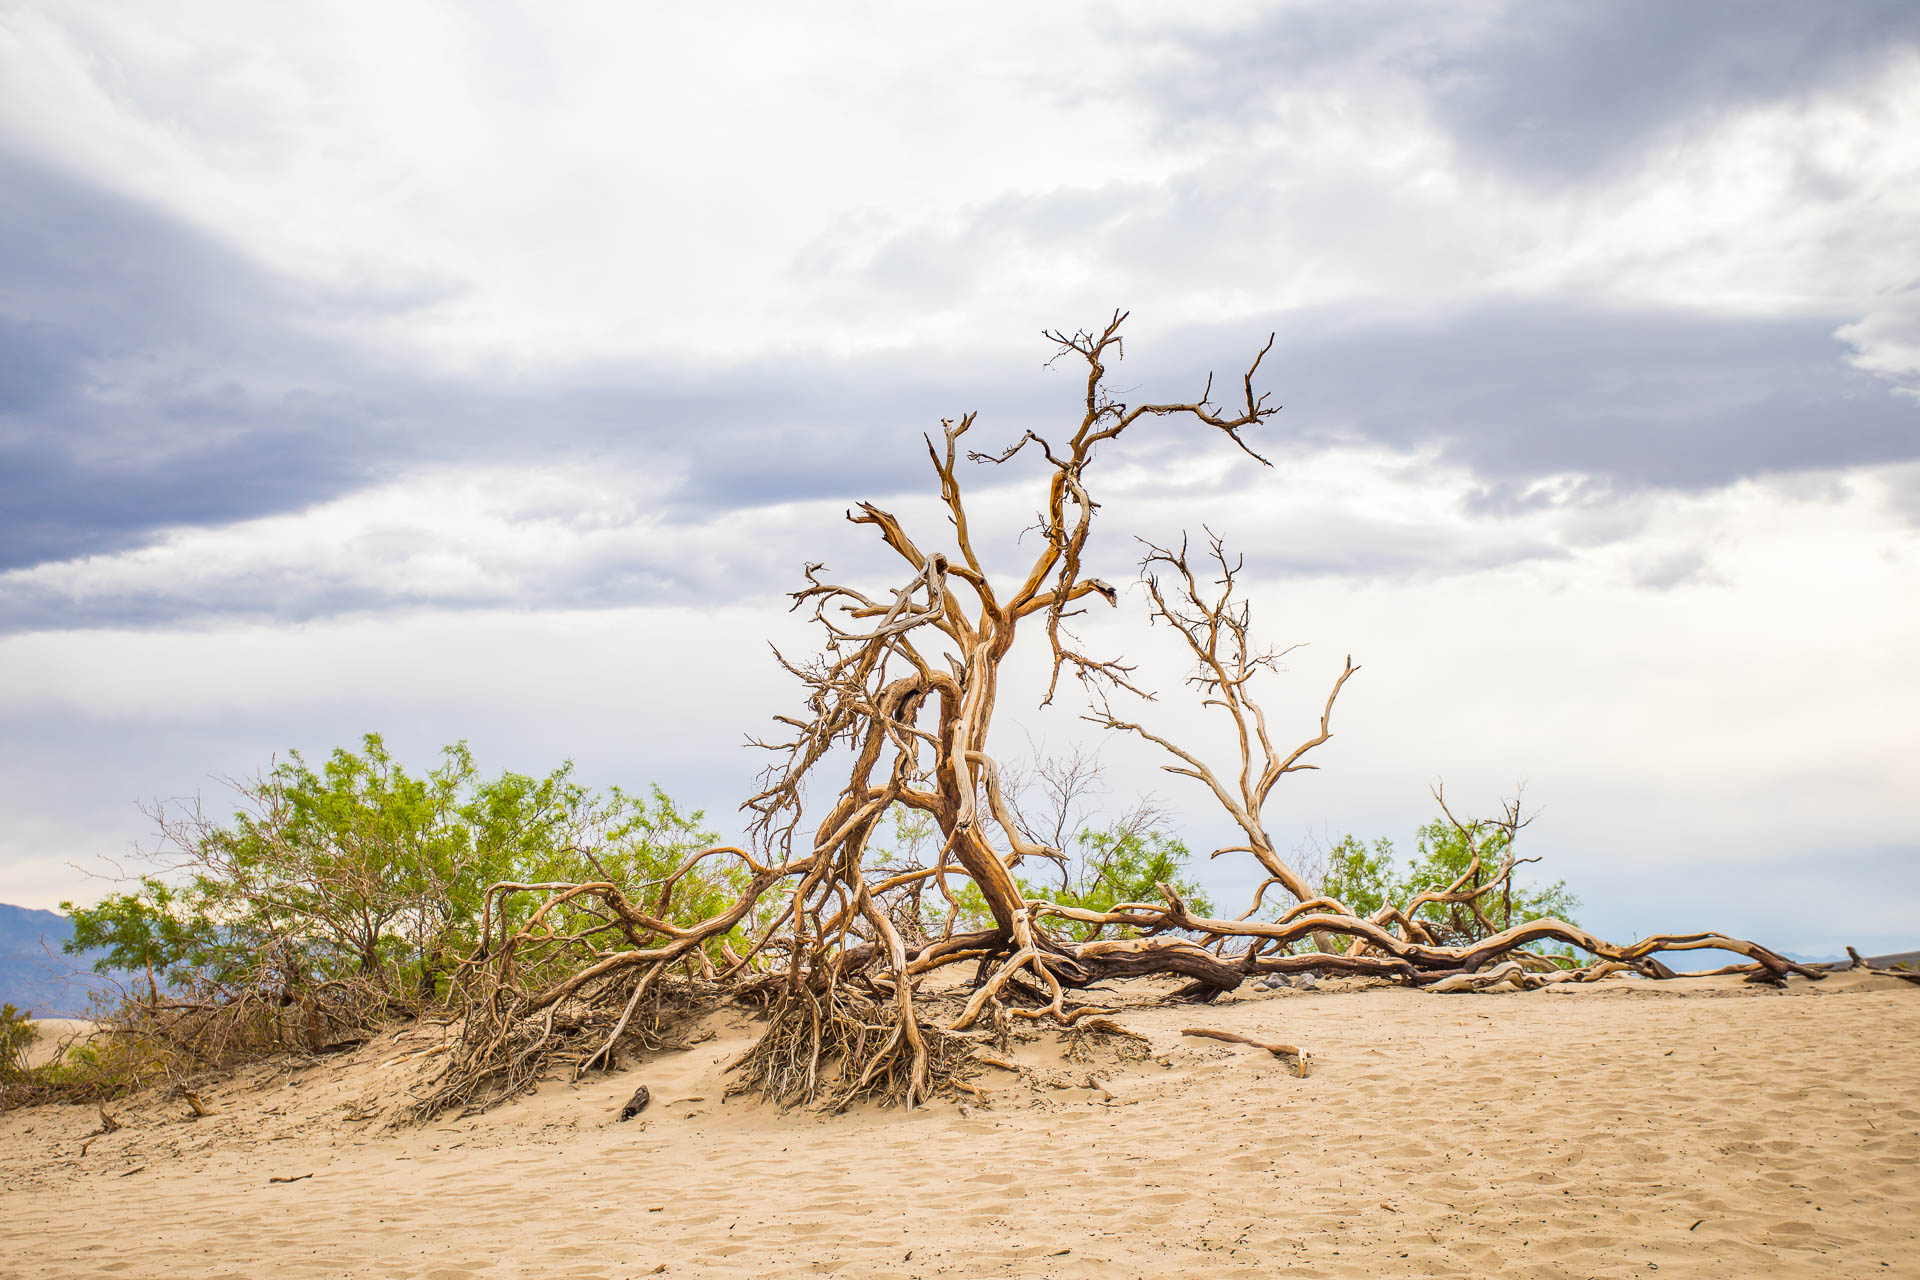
(637, 1103)
(298, 1177)
(1298, 1054)
(107, 1125)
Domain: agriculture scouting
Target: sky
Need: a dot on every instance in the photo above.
(488, 371)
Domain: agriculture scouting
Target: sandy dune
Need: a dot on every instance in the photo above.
(1696, 1128)
(52, 1036)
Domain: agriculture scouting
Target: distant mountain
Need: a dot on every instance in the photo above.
(34, 974)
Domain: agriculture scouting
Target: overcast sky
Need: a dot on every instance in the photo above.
(487, 371)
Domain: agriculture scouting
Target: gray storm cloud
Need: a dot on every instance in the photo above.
(159, 382)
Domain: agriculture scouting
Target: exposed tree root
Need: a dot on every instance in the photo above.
(1298, 1054)
(843, 1048)
(505, 1048)
(1091, 1037)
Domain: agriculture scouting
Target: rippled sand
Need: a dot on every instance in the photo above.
(1696, 1128)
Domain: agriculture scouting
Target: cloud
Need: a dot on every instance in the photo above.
(1549, 402)
(157, 376)
(1665, 570)
(1564, 90)
(147, 378)
(152, 379)
(1886, 341)
(1553, 91)
(218, 446)
(549, 537)
(1632, 398)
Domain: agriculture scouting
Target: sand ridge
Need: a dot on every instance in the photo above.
(1700, 1127)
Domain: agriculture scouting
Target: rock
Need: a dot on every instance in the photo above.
(1306, 982)
(636, 1104)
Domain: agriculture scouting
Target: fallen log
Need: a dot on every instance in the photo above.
(1507, 973)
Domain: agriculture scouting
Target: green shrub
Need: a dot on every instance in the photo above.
(1360, 877)
(1366, 879)
(1109, 866)
(16, 1041)
(1119, 865)
(361, 876)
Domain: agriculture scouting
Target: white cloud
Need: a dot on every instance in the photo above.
(540, 187)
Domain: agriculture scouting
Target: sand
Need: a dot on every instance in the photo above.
(51, 1036)
(1693, 1128)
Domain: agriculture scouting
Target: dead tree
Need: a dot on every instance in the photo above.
(898, 709)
